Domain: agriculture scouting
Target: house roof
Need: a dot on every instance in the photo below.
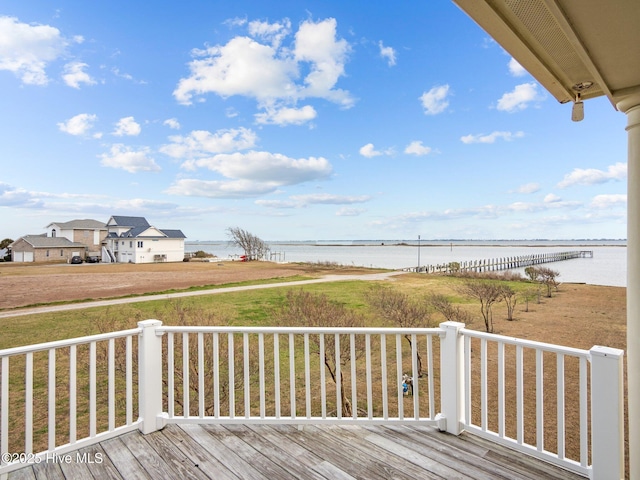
(40, 241)
(123, 221)
(137, 226)
(585, 47)
(174, 233)
(85, 224)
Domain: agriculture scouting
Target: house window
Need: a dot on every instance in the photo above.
(53, 232)
(62, 253)
(47, 253)
(131, 244)
(140, 244)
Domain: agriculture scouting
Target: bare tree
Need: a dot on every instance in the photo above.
(510, 297)
(488, 293)
(401, 310)
(316, 310)
(547, 277)
(450, 312)
(254, 247)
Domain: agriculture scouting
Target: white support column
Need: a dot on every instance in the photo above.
(631, 107)
(607, 413)
(452, 395)
(150, 376)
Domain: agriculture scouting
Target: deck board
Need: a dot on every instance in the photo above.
(231, 452)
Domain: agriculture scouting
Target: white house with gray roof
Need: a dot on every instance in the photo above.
(135, 240)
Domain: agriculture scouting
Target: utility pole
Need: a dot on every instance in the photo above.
(418, 254)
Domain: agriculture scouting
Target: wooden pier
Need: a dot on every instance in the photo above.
(504, 263)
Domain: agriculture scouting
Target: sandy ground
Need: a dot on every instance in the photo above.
(33, 284)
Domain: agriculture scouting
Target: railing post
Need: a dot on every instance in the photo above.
(607, 413)
(150, 377)
(452, 396)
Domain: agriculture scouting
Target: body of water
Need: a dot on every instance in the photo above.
(607, 267)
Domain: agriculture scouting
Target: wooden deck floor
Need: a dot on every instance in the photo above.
(284, 452)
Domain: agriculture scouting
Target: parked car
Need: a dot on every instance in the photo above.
(76, 260)
(92, 259)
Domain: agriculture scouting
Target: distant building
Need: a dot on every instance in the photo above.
(134, 240)
(40, 248)
(89, 232)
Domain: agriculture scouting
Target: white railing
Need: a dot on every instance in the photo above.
(531, 382)
(299, 375)
(58, 397)
(315, 375)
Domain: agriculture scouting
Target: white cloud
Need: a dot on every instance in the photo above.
(317, 44)
(271, 168)
(130, 160)
(528, 188)
(75, 75)
(552, 198)
(172, 123)
(330, 199)
(416, 148)
(271, 73)
(11, 196)
(435, 100)
(286, 116)
(592, 176)
(201, 143)
(520, 98)
(127, 126)
(273, 33)
(219, 189)
(301, 201)
(516, 69)
(369, 151)
(79, 125)
(491, 138)
(608, 200)
(388, 53)
(26, 49)
(349, 212)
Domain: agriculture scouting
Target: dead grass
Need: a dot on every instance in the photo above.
(34, 284)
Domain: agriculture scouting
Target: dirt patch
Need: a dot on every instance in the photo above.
(35, 284)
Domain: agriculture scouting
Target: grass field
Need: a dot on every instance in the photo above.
(578, 316)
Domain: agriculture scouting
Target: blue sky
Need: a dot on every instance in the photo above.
(295, 120)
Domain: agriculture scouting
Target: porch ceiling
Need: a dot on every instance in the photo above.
(567, 43)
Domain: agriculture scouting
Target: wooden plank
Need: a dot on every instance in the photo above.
(224, 454)
(197, 454)
(48, 471)
(123, 460)
(445, 449)
(341, 454)
(75, 469)
(154, 463)
(25, 473)
(512, 463)
(174, 455)
(396, 455)
(330, 472)
(272, 450)
(105, 470)
(248, 453)
(521, 463)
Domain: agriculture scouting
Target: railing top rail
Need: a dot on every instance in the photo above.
(300, 330)
(40, 347)
(547, 347)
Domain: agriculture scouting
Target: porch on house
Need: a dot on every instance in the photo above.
(279, 402)
(287, 452)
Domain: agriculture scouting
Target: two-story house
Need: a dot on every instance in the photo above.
(134, 240)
